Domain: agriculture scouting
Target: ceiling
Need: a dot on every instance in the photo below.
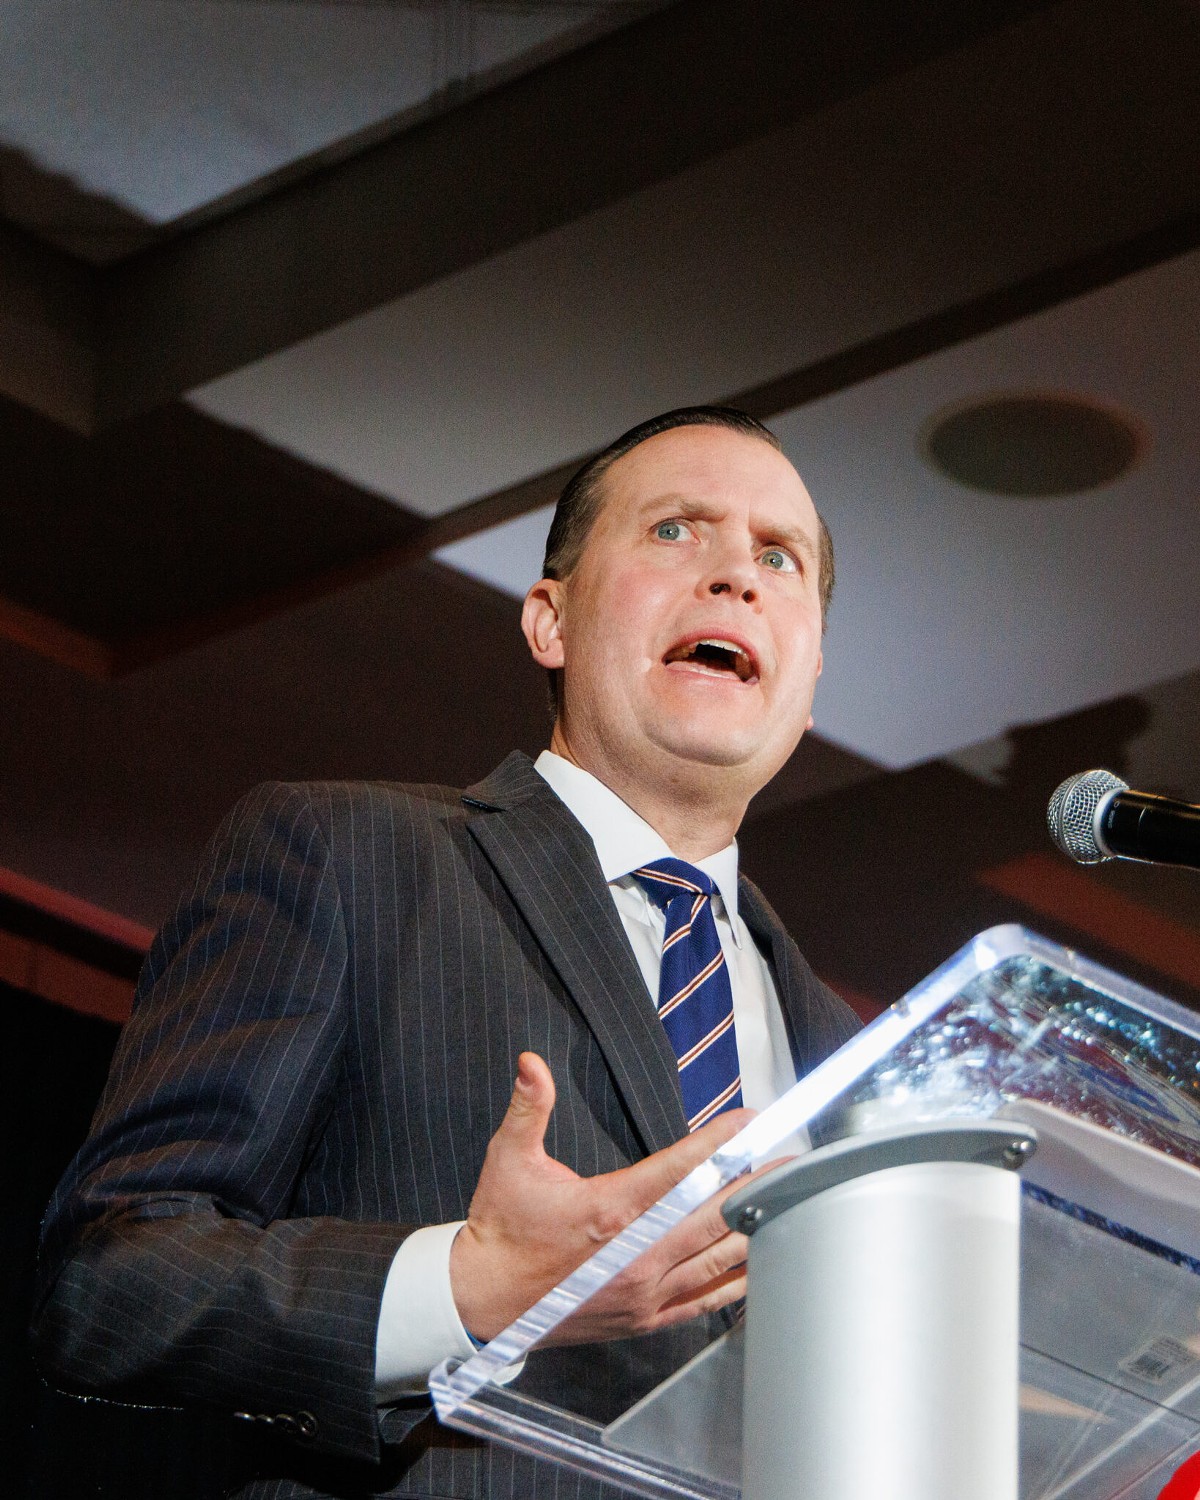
(307, 309)
(122, 116)
(959, 613)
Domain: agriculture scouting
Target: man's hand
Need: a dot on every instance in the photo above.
(532, 1221)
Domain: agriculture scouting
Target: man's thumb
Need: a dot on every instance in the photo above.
(524, 1125)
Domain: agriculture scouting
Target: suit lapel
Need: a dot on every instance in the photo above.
(785, 968)
(548, 865)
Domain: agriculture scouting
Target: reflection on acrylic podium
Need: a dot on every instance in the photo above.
(979, 1276)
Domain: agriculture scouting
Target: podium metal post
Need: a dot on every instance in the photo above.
(883, 1318)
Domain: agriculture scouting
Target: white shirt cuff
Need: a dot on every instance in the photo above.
(419, 1324)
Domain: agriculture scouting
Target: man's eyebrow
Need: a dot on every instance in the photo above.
(704, 510)
(794, 537)
(673, 500)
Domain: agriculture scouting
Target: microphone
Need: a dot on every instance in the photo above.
(1093, 816)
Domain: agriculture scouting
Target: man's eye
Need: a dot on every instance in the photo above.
(775, 557)
(668, 531)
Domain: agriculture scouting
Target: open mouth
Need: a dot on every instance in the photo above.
(717, 656)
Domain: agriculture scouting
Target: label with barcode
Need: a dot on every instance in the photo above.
(1159, 1360)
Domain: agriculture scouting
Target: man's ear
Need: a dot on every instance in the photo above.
(541, 620)
(820, 669)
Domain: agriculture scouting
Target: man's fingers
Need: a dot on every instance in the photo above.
(709, 1263)
(528, 1116)
(704, 1226)
(646, 1181)
(701, 1228)
(721, 1128)
(708, 1299)
(705, 1261)
(699, 1248)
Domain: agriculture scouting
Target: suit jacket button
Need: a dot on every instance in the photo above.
(306, 1425)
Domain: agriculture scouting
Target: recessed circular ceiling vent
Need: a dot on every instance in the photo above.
(1032, 444)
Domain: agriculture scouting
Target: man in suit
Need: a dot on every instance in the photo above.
(311, 1177)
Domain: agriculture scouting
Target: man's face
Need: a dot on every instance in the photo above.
(689, 632)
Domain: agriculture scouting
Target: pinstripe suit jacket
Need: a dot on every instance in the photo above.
(323, 1043)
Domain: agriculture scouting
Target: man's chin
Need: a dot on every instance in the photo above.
(735, 753)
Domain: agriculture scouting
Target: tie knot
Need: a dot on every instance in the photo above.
(665, 880)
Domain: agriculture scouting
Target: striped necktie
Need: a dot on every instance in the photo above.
(695, 1002)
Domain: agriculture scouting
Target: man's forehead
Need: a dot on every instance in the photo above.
(704, 466)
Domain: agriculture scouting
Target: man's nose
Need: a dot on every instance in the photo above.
(737, 580)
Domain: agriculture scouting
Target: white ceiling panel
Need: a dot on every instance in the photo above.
(508, 557)
(964, 613)
(162, 106)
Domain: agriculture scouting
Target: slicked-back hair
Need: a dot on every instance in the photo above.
(583, 495)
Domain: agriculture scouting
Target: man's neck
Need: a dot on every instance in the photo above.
(685, 809)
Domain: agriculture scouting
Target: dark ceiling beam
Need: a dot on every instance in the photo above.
(40, 632)
(967, 320)
(170, 527)
(47, 329)
(620, 114)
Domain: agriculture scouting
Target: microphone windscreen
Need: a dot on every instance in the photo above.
(1071, 816)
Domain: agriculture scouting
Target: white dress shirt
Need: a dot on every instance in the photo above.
(419, 1325)
(624, 842)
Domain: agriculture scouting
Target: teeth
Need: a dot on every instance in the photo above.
(738, 657)
(742, 665)
(723, 646)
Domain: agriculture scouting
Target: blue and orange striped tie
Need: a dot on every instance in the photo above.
(695, 1002)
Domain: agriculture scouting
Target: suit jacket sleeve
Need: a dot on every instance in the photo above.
(172, 1267)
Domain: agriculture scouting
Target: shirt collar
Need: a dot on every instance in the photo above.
(623, 839)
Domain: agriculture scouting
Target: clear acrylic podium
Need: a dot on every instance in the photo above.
(987, 1241)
